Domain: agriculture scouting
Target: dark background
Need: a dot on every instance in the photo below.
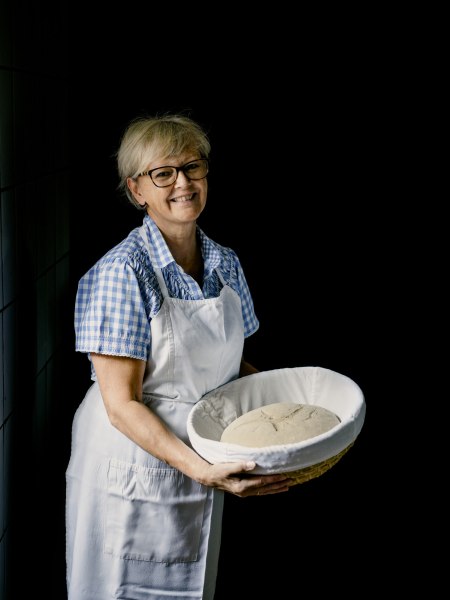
(310, 242)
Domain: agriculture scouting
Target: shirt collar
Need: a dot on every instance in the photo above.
(161, 257)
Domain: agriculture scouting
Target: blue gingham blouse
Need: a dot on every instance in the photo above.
(119, 295)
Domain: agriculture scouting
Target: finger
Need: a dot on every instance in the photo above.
(243, 467)
(271, 489)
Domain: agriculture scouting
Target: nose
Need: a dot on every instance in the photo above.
(184, 180)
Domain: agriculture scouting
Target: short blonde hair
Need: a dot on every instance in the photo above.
(148, 138)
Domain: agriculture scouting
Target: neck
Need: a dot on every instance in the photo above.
(185, 248)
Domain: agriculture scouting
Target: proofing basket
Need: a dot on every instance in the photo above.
(303, 385)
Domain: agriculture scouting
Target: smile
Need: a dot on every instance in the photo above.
(182, 198)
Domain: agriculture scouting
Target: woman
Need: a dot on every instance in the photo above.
(163, 317)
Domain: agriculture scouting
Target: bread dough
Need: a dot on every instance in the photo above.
(279, 423)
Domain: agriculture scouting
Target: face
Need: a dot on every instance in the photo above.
(176, 205)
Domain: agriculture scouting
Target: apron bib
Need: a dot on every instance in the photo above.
(137, 529)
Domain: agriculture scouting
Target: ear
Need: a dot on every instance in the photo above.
(134, 189)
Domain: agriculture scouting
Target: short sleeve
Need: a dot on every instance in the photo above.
(110, 316)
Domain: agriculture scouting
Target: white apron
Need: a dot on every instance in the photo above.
(136, 528)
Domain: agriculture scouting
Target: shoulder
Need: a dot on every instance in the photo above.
(126, 251)
(124, 276)
(129, 255)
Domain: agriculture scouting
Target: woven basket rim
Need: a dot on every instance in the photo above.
(316, 470)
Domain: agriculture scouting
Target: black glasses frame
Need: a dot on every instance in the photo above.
(177, 169)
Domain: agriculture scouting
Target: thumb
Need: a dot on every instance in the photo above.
(243, 466)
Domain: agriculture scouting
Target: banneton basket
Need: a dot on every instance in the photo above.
(303, 385)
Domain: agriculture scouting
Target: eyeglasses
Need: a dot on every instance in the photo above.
(165, 176)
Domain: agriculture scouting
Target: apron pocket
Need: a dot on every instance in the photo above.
(153, 514)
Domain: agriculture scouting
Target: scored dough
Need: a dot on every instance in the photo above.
(279, 423)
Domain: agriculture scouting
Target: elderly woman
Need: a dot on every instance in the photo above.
(163, 317)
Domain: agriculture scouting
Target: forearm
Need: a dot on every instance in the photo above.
(140, 424)
(120, 380)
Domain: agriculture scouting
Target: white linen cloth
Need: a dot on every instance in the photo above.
(303, 385)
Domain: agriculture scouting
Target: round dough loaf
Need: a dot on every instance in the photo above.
(279, 423)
